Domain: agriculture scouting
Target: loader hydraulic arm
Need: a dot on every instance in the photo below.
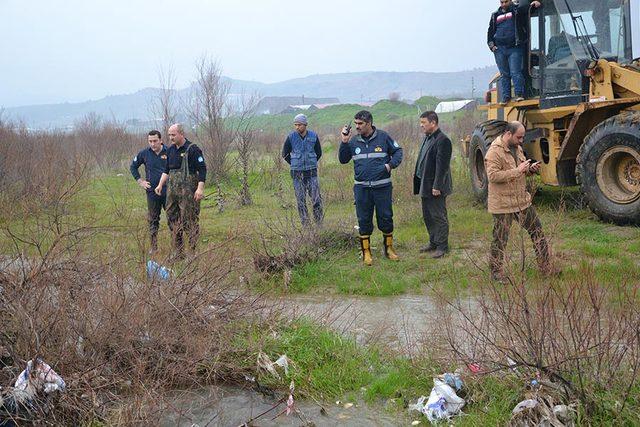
(610, 80)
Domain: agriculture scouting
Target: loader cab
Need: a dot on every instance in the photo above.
(565, 36)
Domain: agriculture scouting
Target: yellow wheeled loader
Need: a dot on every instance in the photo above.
(582, 109)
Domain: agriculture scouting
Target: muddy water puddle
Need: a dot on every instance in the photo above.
(404, 323)
(230, 406)
(399, 322)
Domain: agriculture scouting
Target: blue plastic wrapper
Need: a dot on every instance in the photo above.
(157, 271)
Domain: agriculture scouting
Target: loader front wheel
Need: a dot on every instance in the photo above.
(608, 169)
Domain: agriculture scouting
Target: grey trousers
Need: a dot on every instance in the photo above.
(304, 185)
(434, 214)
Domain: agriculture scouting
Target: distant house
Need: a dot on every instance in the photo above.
(453, 106)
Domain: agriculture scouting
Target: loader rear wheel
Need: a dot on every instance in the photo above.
(483, 135)
(608, 169)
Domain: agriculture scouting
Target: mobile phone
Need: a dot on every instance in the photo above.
(348, 130)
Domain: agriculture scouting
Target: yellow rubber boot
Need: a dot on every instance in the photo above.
(388, 247)
(365, 245)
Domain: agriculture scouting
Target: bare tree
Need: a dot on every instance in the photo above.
(209, 112)
(244, 140)
(164, 105)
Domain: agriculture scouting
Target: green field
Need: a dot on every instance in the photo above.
(328, 365)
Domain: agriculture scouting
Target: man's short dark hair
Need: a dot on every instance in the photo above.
(512, 127)
(430, 115)
(155, 133)
(364, 115)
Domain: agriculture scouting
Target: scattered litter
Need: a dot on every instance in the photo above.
(453, 380)
(25, 399)
(38, 377)
(565, 413)
(265, 363)
(524, 405)
(443, 402)
(474, 368)
(292, 388)
(157, 271)
(283, 362)
(415, 423)
(348, 405)
(512, 364)
(541, 412)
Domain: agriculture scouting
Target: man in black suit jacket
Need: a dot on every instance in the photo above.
(432, 181)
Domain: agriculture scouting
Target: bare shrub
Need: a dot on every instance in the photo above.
(38, 168)
(579, 336)
(408, 135)
(106, 143)
(210, 114)
(165, 104)
(284, 244)
(118, 341)
(245, 141)
(271, 164)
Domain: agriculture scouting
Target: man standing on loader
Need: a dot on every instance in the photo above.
(374, 154)
(507, 37)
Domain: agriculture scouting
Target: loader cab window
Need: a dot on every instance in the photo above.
(561, 71)
(601, 25)
(567, 34)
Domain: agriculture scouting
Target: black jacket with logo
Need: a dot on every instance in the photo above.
(521, 13)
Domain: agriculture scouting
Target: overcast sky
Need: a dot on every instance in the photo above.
(75, 50)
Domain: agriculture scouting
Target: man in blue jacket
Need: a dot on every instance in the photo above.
(302, 151)
(507, 37)
(374, 154)
(154, 159)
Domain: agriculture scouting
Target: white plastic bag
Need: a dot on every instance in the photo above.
(39, 376)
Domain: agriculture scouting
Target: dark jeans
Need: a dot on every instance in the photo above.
(434, 214)
(510, 62)
(529, 220)
(304, 184)
(370, 198)
(155, 204)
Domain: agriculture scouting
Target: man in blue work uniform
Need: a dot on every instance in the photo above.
(186, 172)
(374, 154)
(154, 159)
(302, 151)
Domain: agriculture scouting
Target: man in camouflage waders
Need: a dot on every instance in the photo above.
(185, 188)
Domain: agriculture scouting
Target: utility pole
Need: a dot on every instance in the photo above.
(473, 88)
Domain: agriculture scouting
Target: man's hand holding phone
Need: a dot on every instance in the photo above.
(535, 167)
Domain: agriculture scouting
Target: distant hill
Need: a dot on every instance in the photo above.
(347, 87)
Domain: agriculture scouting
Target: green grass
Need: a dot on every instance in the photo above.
(328, 365)
(576, 235)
